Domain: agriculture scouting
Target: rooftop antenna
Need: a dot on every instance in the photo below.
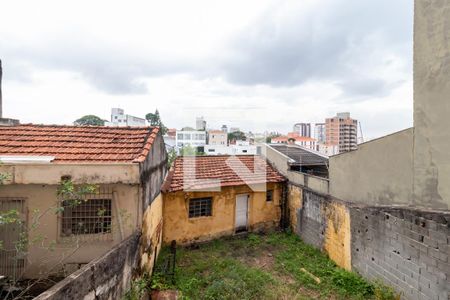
(361, 138)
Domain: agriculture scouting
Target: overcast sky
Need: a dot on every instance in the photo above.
(254, 64)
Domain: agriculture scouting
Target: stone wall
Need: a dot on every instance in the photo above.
(107, 277)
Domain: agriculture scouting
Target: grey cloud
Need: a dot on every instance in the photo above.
(365, 86)
(321, 46)
(276, 51)
(105, 68)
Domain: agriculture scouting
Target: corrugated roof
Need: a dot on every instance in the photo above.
(301, 156)
(78, 143)
(230, 170)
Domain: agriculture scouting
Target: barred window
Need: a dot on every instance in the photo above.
(269, 195)
(200, 207)
(91, 216)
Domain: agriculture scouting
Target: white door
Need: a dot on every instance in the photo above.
(241, 212)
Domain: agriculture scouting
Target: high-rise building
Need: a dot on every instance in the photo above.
(200, 123)
(303, 129)
(320, 132)
(341, 130)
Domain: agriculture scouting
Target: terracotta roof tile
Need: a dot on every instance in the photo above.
(198, 169)
(78, 143)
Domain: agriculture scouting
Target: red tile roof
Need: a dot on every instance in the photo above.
(296, 138)
(78, 143)
(220, 170)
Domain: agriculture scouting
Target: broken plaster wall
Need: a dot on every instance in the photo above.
(151, 238)
(152, 173)
(51, 252)
(321, 222)
(262, 215)
(431, 103)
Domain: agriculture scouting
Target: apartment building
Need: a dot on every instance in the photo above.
(119, 118)
(341, 130)
(200, 123)
(193, 138)
(320, 132)
(239, 148)
(303, 129)
(217, 137)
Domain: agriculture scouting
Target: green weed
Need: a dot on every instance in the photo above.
(262, 267)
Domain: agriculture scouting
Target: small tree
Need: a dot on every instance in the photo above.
(236, 136)
(155, 120)
(270, 137)
(90, 120)
(188, 150)
(171, 156)
(66, 192)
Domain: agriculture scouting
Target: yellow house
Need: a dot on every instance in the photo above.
(205, 197)
(127, 164)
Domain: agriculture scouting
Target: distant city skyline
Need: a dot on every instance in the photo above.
(278, 62)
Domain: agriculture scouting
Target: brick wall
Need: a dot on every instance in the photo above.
(405, 248)
(107, 277)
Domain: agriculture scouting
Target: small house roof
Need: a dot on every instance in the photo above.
(204, 172)
(78, 143)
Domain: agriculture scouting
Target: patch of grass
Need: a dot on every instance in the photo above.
(334, 280)
(261, 267)
(138, 288)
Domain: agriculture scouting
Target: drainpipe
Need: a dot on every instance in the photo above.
(284, 221)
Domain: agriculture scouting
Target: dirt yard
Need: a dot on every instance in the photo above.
(274, 266)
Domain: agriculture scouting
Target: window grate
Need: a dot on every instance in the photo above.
(269, 195)
(12, 261)
(92, 215)
(200, 207)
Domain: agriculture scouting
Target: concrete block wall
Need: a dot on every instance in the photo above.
(407, 249)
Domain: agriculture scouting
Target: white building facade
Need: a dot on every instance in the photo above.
(238, 149)
(119, 118)
(328, 149)
(217, 137)
(193, 138)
